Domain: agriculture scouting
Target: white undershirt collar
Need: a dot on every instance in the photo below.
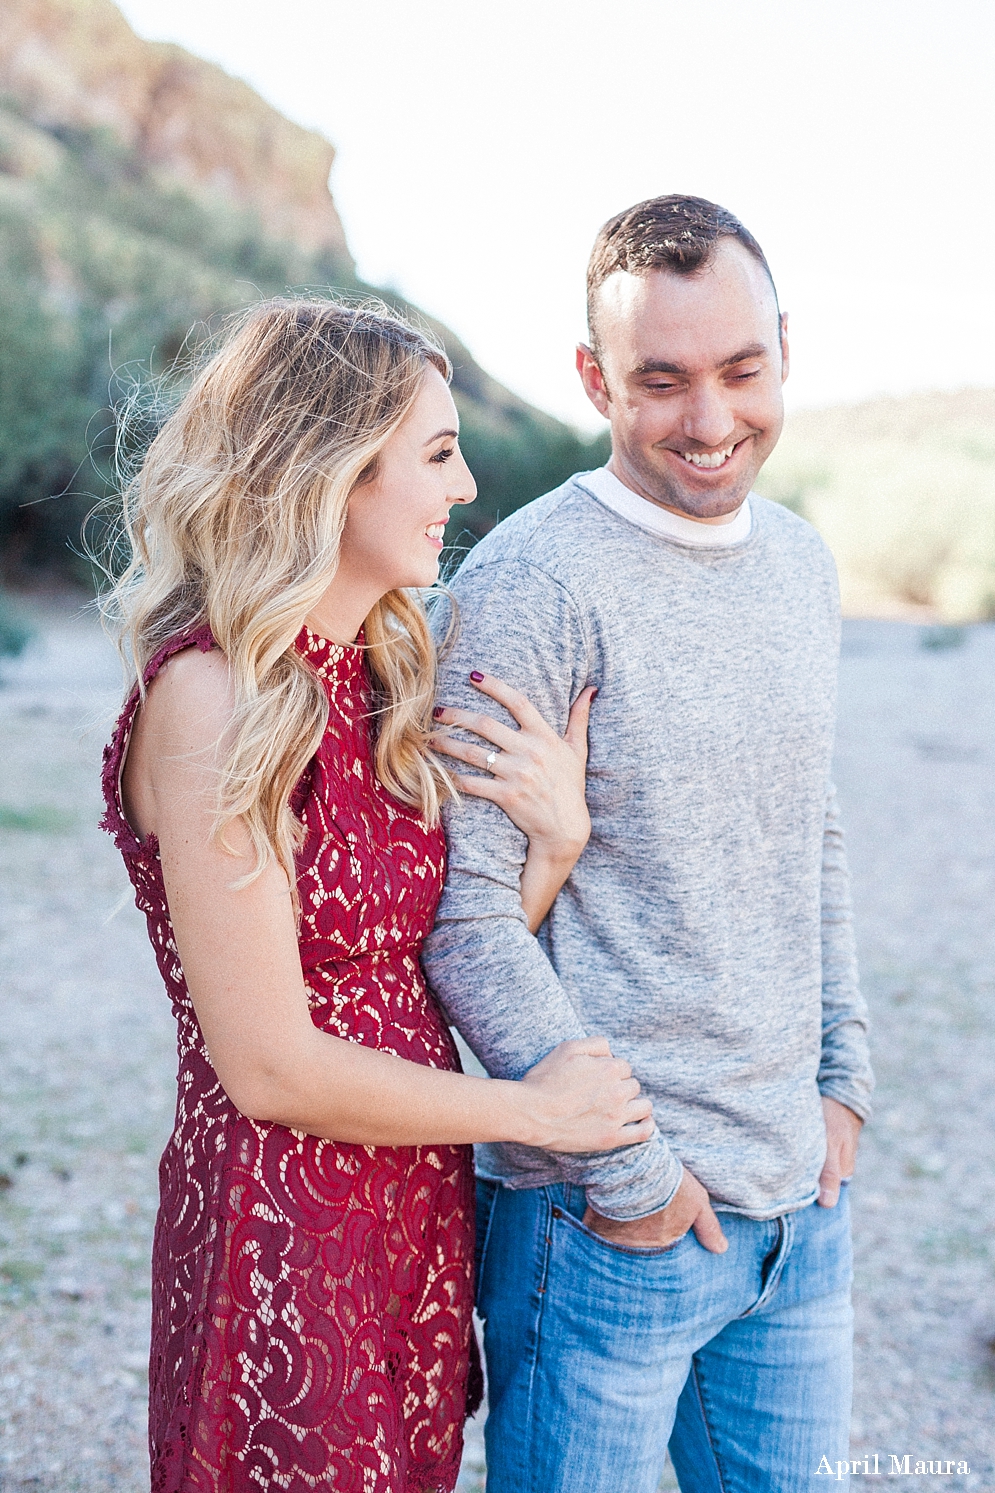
(605, 486)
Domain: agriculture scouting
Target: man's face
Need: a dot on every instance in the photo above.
(690, 375)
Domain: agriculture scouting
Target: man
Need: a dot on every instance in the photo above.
(695, 1289)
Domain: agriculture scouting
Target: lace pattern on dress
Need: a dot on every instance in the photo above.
(312, 1300)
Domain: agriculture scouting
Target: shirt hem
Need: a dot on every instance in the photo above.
(773, 1210)
(759, 1215)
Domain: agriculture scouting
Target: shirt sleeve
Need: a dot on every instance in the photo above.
(490, 974)
(845, 1069)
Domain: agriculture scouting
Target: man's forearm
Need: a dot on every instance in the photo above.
(844, 1070)
(497, 987)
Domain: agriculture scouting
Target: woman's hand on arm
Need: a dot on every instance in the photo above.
(535, 776)
(242, 966)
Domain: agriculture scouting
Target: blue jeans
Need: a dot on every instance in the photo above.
(599, 1356)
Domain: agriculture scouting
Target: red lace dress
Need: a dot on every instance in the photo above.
(311, 1301)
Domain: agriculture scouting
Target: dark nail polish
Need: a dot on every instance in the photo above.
(439, 710)
(477, 678)
(594, 694)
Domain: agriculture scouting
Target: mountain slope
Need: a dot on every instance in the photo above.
(77, 65)
(143, 192)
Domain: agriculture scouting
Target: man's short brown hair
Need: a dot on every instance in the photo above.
(675, 233)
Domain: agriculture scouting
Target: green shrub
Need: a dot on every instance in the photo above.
(106, 274)
(15, 634)
(515, 459)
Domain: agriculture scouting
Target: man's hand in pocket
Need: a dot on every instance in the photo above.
(689, 1208)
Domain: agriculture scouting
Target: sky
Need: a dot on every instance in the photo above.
(480, 146)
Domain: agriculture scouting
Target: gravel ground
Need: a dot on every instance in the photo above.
(86, 1064)
(915, 769)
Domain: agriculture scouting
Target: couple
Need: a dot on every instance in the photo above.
(666, 907)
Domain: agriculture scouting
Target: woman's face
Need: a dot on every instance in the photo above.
(394, 526)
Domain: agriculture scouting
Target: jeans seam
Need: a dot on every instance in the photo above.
(478, 1283)
(699, 1392)
(547, 1238)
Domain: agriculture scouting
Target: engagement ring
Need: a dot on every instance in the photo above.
(491, 758)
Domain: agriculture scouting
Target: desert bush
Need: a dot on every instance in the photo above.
(903, 491)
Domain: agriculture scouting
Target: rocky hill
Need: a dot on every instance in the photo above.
(77, 65)
(143, 191)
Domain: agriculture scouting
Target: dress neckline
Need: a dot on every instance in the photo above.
(329, 659)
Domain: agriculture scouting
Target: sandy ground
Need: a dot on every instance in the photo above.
(86, 1063)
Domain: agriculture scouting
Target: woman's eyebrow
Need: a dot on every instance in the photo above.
(452, 434)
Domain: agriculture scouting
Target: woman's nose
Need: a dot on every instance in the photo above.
(465, 486)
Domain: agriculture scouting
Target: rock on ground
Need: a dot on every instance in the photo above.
(87, 1062)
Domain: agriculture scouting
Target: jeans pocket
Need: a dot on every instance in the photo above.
(627, 1251)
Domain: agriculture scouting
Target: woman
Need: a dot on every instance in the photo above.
(274, 787)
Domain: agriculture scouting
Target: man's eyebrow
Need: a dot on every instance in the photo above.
(452, 434)
(656, 365)
(755, 350)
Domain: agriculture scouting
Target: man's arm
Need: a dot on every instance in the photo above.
(845, 1077)
(845, 1069)
(488, 971)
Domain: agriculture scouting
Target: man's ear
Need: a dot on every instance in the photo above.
(785, 359)
(593, 379)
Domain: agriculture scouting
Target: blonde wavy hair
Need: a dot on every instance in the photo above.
(234, 521)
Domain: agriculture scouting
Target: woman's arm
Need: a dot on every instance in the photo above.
(535, 776)
(242, 967)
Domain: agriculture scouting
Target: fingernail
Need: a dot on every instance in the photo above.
(477, 678)
(594, 694)
(439, 710)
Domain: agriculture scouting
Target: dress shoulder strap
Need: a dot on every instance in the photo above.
(116, 750)
(196, 637)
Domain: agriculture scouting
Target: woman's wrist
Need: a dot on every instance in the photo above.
(546, 869)
(556, 854)
(518, 1113)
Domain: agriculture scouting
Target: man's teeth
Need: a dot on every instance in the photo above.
(708, 458)
(435, 531)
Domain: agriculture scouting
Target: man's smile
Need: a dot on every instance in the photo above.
(709, 458)
(709, 461)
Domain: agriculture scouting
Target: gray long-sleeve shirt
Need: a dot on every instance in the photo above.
(706, 927)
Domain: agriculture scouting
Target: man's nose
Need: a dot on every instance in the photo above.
(708, 419)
